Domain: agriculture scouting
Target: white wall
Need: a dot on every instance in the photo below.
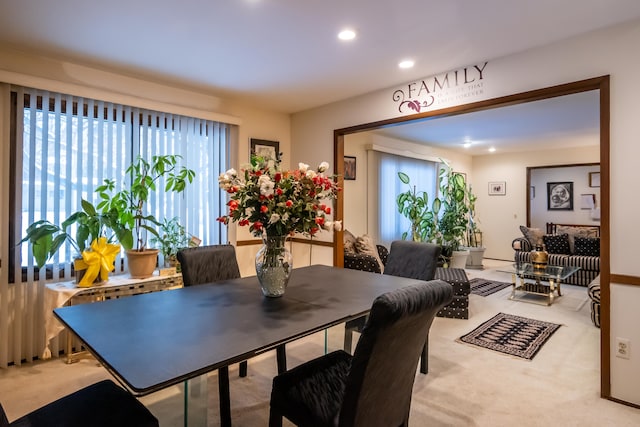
(607, 52)
(579, 177)
(501, 216)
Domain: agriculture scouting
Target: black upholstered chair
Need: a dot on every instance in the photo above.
(413, 260)
(103, 404)
(374, 386)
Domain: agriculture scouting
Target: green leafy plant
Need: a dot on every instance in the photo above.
(452, 224)
(172, 237)
(474, 234)
(46, 238)
(133, 223)
(414, 205)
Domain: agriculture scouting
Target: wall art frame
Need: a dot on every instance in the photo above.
(349, 168)
(559, 196)
(498, 188)
(265, 148)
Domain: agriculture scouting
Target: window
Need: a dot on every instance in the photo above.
(66, 146)
(422, 174)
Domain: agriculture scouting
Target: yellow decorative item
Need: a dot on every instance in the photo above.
(99, 260)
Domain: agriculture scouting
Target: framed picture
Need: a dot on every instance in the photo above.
(560, 196)
(594, 179)
(349, 168)
(266, 149)
(497, 188)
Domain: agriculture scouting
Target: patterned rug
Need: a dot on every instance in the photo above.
(513, 335)
(484, 287)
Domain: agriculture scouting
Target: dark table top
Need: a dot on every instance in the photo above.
(155, 340)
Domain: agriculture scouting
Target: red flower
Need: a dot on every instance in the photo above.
(277, 177)
(313, 230)
(257, 226)
(243, 222)
(264, 209)
(279, 191)
(327, 210)
(320, 220)
(222, 219)
(289, 203)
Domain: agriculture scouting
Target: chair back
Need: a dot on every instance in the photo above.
(208, 264)
(414, 260)
(383, 368)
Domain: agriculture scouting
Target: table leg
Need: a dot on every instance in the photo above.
(424, 359)
(225, 398)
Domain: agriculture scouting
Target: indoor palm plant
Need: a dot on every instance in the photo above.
(414, 205)
(133, 223)
(452, 224)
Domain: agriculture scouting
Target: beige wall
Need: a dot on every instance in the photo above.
(606, 52)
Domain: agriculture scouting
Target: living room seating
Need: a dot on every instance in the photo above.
(374, 386)
(568, 245)
(103, 404)
(594, 295)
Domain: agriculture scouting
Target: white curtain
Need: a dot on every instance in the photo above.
(385, 167)
(65, 147)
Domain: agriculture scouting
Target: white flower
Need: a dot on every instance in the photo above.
(323, 167)
(303, 167)
(274, 218)
(337, 225)
(231, 172)
(310, 174)
(266, 185)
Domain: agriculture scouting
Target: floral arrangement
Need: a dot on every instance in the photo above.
(277, 202)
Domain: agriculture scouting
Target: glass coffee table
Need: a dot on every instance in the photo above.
(537, 281)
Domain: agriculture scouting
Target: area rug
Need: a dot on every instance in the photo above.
(513, 335)
(484, 287)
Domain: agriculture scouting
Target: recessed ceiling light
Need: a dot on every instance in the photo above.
(407, 63)
(467, 145)
(492, 149)
(347, 34)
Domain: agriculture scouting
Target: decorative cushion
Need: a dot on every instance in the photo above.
(365, 245)
(557, 243)
(533, 235)
(574, 232)
(349, 241)
(587, 246)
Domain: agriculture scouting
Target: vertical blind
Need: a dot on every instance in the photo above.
(64, 147)
(422, 173)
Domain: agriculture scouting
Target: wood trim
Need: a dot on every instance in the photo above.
(625, 280)
(602, 84)
(310, 242)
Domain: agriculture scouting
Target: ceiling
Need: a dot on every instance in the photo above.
(562, 122)
(284, 55)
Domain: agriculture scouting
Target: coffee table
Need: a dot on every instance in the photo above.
(537, 281)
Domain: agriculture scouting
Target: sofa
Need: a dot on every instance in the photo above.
(567, 245)
(366, 262)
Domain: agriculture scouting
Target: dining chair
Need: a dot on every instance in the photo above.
(413, 260)
(103, 404)
(374, 386)
(208, 264)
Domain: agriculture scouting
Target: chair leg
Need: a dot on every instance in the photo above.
(424, 359)
(243, 369)
(275, 418)
(281, 358)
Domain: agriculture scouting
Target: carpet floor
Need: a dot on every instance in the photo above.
(466, 386)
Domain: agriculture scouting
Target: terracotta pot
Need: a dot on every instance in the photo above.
(142, 264)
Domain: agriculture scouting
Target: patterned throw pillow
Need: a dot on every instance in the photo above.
(365, 245)
(557, 243)
(533, 235)
(349, 241)
(574, 232)
(587, 246)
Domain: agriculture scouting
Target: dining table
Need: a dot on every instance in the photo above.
(152, 341)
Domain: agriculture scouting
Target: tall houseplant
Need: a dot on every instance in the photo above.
(414, 205)
(134, 223)
(474, 234)
(452, 224)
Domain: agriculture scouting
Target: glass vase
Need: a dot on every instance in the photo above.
(274, 263)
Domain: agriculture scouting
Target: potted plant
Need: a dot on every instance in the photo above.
(414, 205)
(134, 223)
(94, 251)
(474, 234)
(452, 224)
(172, 237)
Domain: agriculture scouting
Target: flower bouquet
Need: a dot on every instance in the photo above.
(276, 204)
